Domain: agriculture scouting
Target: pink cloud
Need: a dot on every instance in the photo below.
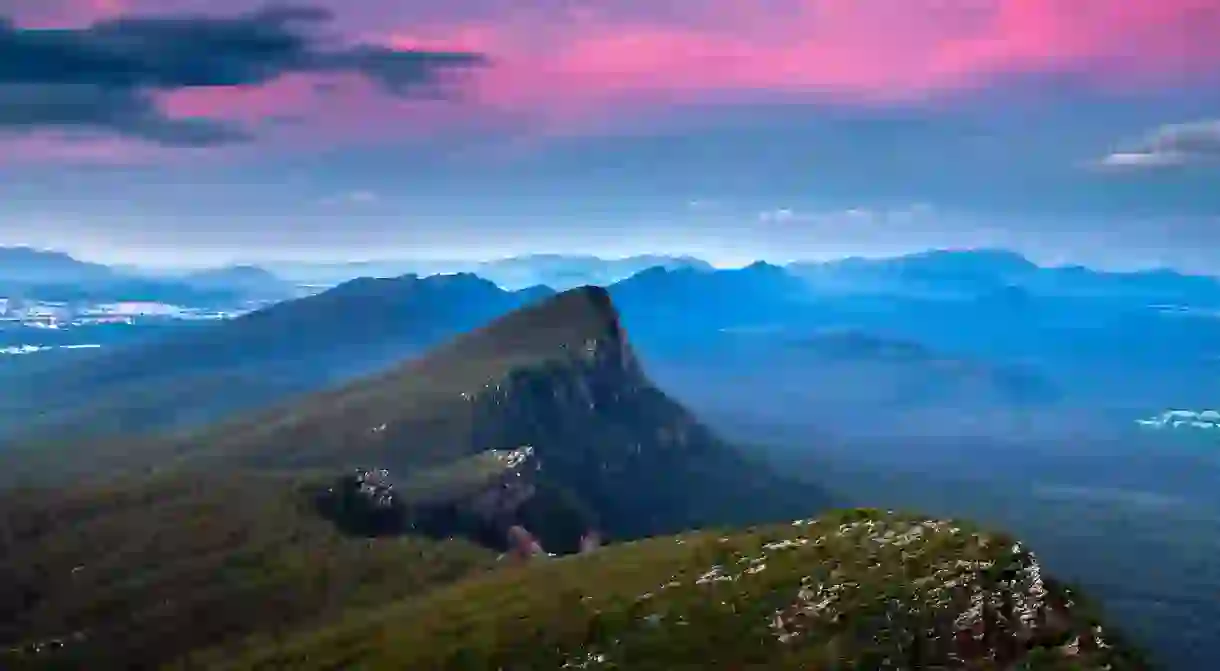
(64, 13)
(244, 104)
(855, 49)
(568, 69)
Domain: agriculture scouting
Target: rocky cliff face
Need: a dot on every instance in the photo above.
(638, 461)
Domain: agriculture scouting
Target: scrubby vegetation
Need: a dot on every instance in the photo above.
(131, 575)
(852, 590)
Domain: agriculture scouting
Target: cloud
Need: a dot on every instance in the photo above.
(604, 56)
(107, 77)
(1171, 145)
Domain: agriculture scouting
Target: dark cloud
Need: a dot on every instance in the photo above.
(119, 110)
(103, 77)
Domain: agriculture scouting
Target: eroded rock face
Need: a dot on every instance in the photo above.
(485, 498)
(879, 591)
(363, 502)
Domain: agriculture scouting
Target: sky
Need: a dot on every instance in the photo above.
(191, 132)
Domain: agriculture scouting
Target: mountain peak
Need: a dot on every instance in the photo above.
(566, 320)
(763, 266)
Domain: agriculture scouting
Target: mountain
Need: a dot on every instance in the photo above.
(662, 303)
(557, 376)
(298, 346)
(251, 280)
(539, 428)
(973, 273)
(566, 271)
(55, 276)
(26, 265)
(938, 273)
(331, 273)
(135, 289)
(562, 271)
(196, 375)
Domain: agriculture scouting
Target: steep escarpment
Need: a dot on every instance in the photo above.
(640, 460)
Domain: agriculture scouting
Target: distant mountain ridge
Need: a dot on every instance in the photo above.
(560, 271)
(958, 272)
(986, 271)
(666, 303)
(563, 271)
(982, 339)
(57, 276)
(28, 265)
(239, 278)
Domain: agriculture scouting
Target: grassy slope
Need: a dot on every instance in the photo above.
(641, 606)
(146, 570)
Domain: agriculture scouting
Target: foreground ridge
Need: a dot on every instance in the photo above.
(854, 589)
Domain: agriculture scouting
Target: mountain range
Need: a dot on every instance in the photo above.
(993, 275)
(759, 323)
(407, 520)
(26, 265)
(54, 276)
(971, 273)
(559, 271)
(969, 362)
(563, 271)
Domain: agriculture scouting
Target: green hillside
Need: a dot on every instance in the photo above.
(134, 573)
(852, 590)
